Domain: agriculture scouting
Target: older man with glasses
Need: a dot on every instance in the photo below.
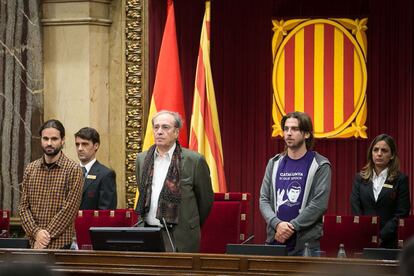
(174, 184)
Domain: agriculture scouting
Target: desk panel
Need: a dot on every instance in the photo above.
(84, 262)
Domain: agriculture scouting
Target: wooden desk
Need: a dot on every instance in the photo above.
(84, 262)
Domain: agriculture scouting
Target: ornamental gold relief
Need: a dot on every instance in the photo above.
(133, 97)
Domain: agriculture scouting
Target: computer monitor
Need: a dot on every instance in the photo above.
(149, 239)
(14, 243)
(381, 253)
(257, 249)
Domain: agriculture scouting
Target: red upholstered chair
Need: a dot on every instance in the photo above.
(4, 223)
(405, 230)
(355, 232)
(101, 218)
(226, 223)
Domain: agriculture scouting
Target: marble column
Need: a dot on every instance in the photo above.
(84, 75)
(21, 88)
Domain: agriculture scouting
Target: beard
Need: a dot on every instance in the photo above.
(53, 152)
(295, 145)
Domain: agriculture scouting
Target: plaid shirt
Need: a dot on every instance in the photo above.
(51, 199)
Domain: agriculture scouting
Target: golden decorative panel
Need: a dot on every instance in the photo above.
(319, 67)
(134, 32)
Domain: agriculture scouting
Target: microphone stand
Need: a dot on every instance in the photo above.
(168, 234)
(248, 239)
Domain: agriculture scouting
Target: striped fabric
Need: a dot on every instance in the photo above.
(320, 69)
(205, 136)
(51, 199)
(168, 90)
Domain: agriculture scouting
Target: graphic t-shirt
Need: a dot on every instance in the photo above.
(290, 186)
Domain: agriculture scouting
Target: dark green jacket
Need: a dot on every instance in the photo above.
(196, 198)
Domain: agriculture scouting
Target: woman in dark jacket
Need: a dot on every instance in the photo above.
(380, 189)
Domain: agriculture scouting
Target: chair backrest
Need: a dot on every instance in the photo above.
(101, 218)
(405, 230)
(227, 222)
(355, 232)
(4, 223)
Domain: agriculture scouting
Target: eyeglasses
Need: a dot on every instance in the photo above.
(164, 128)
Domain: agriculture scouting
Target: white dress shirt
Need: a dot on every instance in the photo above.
(378, 182)
(88, 166)
(161, 165)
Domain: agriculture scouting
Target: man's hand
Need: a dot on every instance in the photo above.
(284, 230)
(280, 201)
(42, 239)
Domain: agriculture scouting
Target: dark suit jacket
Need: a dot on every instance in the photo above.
(99, 189)
(393, 202)
(196, 198)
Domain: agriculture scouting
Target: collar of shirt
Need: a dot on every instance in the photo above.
(58, 162)
(378, 182)
(382, 176)
(168, 154)
(89, 165)
(161, 166)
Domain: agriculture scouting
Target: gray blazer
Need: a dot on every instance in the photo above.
(196, 198)
(308, 224)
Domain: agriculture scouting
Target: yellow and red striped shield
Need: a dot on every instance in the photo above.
(319, 67)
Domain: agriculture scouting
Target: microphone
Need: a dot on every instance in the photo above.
(248, 239)
(135, 224)
(168, 234)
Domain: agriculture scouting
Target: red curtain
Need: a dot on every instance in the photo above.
(241, 60)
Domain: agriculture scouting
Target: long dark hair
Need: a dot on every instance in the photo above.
(393, 165)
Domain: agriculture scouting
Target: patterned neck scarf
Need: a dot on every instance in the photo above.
(170, 196)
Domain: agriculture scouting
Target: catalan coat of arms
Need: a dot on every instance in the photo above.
(319, 67)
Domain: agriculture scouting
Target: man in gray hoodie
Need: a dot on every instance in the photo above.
(295, 189)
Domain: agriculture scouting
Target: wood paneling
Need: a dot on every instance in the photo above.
(141, 263)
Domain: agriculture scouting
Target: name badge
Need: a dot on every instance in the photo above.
(389, 186)
(91, 176)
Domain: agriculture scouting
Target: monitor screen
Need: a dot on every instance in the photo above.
(14, 243)
(257, 249)
(149, 239)
(381, 253)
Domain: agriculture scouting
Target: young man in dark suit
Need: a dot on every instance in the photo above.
(99, 189)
